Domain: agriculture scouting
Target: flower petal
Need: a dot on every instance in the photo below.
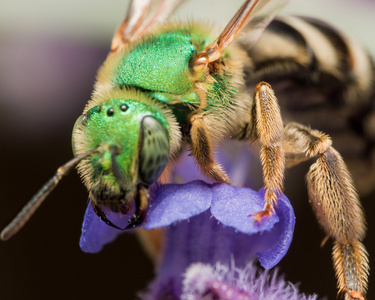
(175, 202)
(203, 281)
(281, 235)
(233, 205)
(272, 237)
(205, 240)
(96, 233)
(231, 282)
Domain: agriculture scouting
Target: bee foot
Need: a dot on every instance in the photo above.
(356, 295)
(267, 212)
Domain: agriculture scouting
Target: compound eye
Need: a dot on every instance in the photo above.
(110, 112)
(123, 107)
(155, 149)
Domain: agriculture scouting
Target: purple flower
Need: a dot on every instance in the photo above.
(208, 225)
(226, 207)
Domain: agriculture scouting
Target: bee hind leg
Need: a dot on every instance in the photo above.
(336, 205)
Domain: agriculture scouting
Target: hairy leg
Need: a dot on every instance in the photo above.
(336, 205)
(268, 128)
(202, 149)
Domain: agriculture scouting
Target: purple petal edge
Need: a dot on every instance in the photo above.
(272, 237)
(280, 236)
(95, 233)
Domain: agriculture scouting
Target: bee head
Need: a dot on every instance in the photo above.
(133, 142)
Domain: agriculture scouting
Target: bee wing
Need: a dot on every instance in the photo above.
(255, 27)
(142, 16)
(255, 15)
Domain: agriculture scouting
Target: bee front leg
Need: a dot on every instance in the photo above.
(268, 127)
(336, 205)
(141, 205)
(202, 149)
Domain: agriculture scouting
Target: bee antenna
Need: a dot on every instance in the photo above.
(28, 210)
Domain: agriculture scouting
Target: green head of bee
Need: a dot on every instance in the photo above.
(122, 143)
(132, 136)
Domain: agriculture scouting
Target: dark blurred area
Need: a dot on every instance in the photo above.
(45, 81)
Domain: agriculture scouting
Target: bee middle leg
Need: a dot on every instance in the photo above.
(268, 128)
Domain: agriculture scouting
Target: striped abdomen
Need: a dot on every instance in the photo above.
(322, 79)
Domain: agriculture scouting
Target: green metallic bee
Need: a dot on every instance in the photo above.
(165, 86)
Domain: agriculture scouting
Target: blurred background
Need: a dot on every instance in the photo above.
(49, 54)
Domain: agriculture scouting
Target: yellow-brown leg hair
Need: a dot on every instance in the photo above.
(202, 149)
(336, 205)
(268, 126)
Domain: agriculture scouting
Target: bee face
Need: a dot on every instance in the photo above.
(133, 149)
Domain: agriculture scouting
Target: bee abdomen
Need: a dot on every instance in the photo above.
(314, 53)
(322, 79)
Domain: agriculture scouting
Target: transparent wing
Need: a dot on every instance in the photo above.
(264, 16)
(255, 15)
(142, 16)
